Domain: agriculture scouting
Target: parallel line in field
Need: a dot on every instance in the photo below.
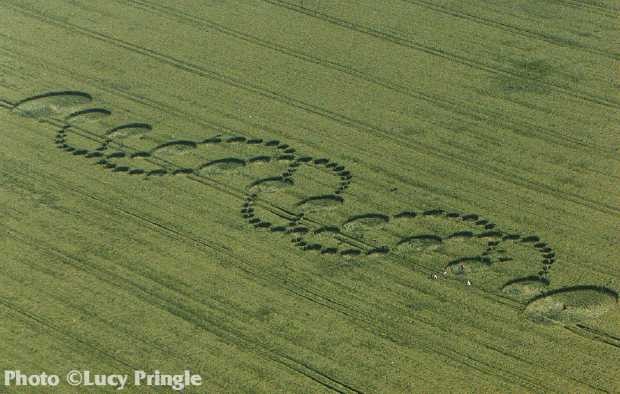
(176, 308)
(595, 335)
(528, 33)
(599, 335)
(488, 116)
(405, 42)
(65, 336)
(164, 349)
(341, 119)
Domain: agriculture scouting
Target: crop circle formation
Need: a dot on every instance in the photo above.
(449, 243)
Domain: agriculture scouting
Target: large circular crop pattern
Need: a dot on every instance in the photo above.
(282, 189)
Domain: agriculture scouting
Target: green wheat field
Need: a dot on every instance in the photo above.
(307, 196)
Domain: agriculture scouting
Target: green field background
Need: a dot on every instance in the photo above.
(506, 109)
